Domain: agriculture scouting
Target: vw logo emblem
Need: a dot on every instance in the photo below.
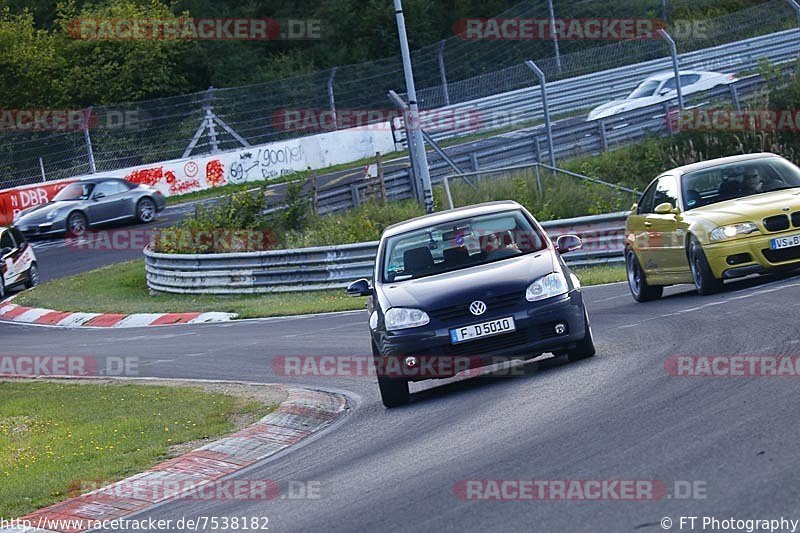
(477, 308)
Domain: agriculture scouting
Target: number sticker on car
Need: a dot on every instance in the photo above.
(484, 329)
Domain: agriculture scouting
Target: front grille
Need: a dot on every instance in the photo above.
(776, 223)
(489, 344)
(796, 219)
(779, 256)
(461, 311)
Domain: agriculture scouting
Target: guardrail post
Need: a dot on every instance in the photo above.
(356, 196)
(88, 140)
(543, 84)
(538, 178)
(331, 99)
(674, 52)
(603, 139)
(443, 73)
(447, 195)
(473, 158)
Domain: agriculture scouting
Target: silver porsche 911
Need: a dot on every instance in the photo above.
(91, 202)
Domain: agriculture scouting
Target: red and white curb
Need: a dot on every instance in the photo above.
(49, 317)
(303, 413)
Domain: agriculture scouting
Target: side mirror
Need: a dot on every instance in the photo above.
(665, 208)
(634, 208)
(5, 251)
(98, 196)
(359, 287)
(663, 92)
(568, 243)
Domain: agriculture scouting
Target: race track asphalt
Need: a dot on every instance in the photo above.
(619, 415)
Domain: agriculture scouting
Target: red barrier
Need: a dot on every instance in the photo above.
(12, 201)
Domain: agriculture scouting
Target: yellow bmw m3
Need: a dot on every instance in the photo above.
(711, 221)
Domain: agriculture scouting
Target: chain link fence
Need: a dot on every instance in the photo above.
(448, 72)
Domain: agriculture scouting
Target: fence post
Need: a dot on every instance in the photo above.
(331, 99)
(554, 34)
(88, 140)
(473, 158)
(381, 180)
(664, 10)
(796, 8)
(543, 84)
(41, 167)
(314, 196)
(448, 196)
(674, 52)
(538, 178)
(735, 97)
(443, 73)
(603, 139)
(212, 132)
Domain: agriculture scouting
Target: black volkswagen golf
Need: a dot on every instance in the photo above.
(466, 288)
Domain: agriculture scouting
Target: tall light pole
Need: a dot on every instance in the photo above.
(416, 144)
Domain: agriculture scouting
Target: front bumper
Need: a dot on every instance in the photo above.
(727, 260)
(534, 335)
(42, 228)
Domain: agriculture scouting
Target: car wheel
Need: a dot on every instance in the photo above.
(2, 289)
(704, 279)
(145, 210)
(637, 282)
(76, 223)
(585, 347)
(394, 392)
(33, 277)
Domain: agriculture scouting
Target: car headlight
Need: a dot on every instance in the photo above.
(551, 285)
(402, 318)
(734, 230)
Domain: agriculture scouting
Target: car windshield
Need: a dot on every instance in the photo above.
(459, 244)
(738, 180)
(646, 88)
(75, 191)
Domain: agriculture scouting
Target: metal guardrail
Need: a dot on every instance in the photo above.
(580, 93)
(331, 267)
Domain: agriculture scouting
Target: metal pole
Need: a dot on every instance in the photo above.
(554, 35)
(447, 194)
(443, 73)
(674, 51)
(548, 127)
(664, 13)
(416, 145)
(88, 140)
(331, 99)
(796, 8)
(41, 167)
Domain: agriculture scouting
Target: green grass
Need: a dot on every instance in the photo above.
(55, 437)
(599, 275)
(122, 289)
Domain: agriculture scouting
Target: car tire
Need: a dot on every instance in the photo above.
(394, 392)
(2, 289)
(585, 348)
(77, 224)
(145, 211)
(33, 277)
(704, 279)
(637, 282)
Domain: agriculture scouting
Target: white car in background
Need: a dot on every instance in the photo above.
(660, 88)
(17, 261)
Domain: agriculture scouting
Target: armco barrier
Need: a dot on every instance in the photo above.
(330, 267)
